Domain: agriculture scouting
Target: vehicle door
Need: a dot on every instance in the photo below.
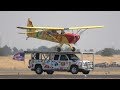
(55, 62)
(63, 62)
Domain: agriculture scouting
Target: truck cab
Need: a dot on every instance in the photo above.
(61, 61)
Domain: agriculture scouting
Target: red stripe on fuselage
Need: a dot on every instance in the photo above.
(72, 38)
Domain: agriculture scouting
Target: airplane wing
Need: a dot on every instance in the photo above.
(42, 28)
(85, 27)
(57, 28)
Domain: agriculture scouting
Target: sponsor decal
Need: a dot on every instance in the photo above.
(62, 63)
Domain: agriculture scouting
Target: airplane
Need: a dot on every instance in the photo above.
(56, 34)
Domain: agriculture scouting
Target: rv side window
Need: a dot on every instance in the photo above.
(56, 57)
(63, 58)
(35, 56)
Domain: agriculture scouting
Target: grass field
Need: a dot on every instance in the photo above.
(102, 59)
(6, 62)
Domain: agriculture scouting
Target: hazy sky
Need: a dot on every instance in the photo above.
(96, 39)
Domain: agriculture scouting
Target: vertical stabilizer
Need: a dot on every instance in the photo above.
(29, 24)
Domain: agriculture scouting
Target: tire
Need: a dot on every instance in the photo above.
(38, 69)
(74, 70)
(73, 49)
(49, 72)
(85, 72)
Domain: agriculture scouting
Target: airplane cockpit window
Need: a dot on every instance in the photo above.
(53, 32)
(62, 31)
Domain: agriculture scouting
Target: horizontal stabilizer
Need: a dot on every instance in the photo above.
(42, 28)
(27, 33)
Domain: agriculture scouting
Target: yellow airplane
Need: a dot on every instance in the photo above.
(56, 34)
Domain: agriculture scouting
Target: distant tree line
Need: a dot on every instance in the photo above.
(108, 52)
(5, 50)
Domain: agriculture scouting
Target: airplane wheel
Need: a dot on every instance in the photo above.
(73, 49)
(58, 49)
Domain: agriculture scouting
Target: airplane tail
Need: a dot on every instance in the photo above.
(30, 32)
(29, 23)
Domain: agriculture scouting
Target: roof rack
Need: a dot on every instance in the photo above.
(68, 52)
(52, 52)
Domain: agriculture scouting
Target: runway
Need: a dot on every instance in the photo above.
(98, 73)
(59, 76)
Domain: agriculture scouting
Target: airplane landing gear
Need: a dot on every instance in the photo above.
(27, 38)
(73, 49)
(58, 49)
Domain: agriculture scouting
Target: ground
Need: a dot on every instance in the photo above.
(8, 64)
